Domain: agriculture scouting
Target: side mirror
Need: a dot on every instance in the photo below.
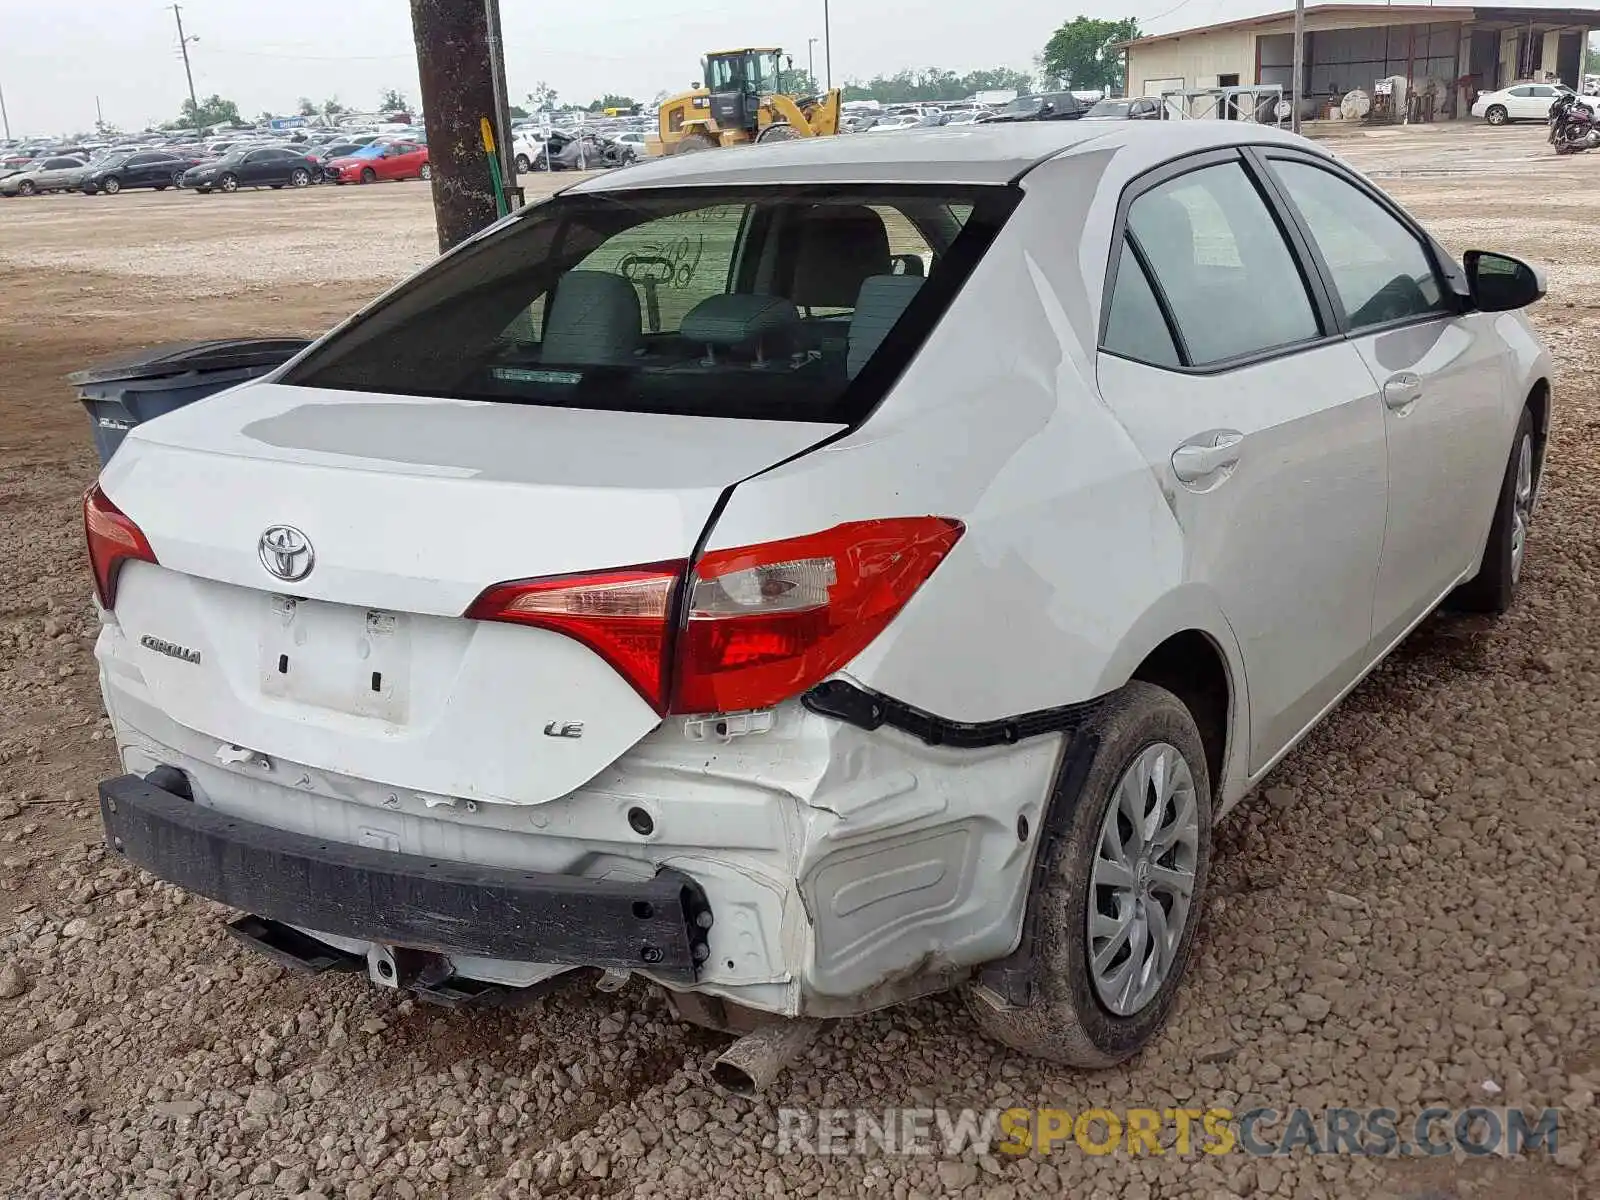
(1501, 283)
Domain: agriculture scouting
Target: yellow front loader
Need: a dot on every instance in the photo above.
(742, 99)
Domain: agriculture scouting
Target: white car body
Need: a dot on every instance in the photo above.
(847, 864)
(1522, 101)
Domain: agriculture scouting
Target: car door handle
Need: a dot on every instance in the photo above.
(1206, 455)
(1402, 390)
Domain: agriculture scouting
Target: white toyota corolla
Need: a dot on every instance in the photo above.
(815, 575)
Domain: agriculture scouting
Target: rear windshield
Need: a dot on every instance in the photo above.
(779, 303)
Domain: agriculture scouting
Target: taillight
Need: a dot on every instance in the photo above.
(624, 616)
(762, 623)
(113, 540)
(766, 622)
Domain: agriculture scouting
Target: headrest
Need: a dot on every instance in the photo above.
(739, 319)
(839, 246)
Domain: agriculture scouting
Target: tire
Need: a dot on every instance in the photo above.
(27, 188)
(1496, 114)
(299, 178)
(111, 185)
(177, 179)
(523, 164)
(426, 174)
(1494, 587)
(693, 143)
(777, 133)
(1070, 1020)
(368, 175)
(228, 183)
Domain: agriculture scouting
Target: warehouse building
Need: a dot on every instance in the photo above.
(1446, 53)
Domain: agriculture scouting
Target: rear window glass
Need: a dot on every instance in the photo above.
(781, 303)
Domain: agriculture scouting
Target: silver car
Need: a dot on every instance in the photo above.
(47, 175)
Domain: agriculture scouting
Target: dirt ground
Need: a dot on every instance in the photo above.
(1408, 914)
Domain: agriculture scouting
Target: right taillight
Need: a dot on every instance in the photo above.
(113, 540)
(766, 622)
(759, 624)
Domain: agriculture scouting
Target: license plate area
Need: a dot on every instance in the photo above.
(337, 657)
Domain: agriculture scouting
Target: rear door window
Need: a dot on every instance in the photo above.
(784, 303)
(1221, 265)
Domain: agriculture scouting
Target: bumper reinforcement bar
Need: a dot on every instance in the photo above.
(658, 925)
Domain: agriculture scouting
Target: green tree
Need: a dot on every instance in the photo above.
(935, 83)
(307, 109)
(392, 101)
(331, 108)
(1591, 59)
(610, 100)
(517, 112)
(212, 111)
(1079, 54)
(543, 97)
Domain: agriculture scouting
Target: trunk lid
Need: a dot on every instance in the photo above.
(412, 508)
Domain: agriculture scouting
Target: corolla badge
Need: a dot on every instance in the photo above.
(286, 553)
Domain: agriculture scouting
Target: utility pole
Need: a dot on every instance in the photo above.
(502, 103)
(455, 63)
(827, 44)
(811, 59)
(5, 119)
(1298, 86)
(183, 45)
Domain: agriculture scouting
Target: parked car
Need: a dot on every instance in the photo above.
(380, 161)
(54, 174)
(1134, 108)
(1526, 101)
(271, 166)
(1047, 106)
(157, 169)
(812, 688)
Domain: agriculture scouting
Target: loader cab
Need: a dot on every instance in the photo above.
(737, 80)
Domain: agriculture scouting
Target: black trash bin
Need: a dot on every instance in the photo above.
(122, 392)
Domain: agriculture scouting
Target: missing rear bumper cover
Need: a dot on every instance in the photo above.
(658, 925)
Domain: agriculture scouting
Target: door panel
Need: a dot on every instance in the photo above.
(1267, 435)
(1440, 377)
(1443, 456)
(1288, 537)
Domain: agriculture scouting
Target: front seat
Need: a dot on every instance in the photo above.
(593, 321)
(839, 247)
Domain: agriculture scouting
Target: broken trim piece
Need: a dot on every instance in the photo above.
(844, 701)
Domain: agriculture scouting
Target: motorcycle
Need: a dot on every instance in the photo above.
(1573, 127)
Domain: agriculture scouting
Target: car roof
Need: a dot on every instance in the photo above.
(964, 154)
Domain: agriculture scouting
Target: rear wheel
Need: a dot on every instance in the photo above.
(368, 175)
(426, 173)
(523, 164)
(693, 143)
(1494, 587)
(1497, 115)
(27, 188)
(299, 177)
(111, 185)
(1117, 896)
(228, 183)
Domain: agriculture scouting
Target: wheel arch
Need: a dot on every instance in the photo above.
(1539, 402)
(1185, 644)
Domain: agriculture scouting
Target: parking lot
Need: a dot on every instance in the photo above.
(1406, 915)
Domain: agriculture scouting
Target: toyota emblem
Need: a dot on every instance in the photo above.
(286, 553)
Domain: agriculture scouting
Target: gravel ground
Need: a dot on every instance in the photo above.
(1408, 914)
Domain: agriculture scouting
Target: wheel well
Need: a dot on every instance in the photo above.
(1539, 404)
(1190, 666)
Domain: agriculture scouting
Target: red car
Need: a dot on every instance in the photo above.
(381, 160)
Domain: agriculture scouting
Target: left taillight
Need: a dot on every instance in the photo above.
(624, 616)
(113, 540)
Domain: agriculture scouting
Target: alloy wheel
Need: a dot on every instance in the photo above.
(1143, 879)
(1521, 505)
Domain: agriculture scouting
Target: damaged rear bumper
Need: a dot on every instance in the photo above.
(658, 925)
